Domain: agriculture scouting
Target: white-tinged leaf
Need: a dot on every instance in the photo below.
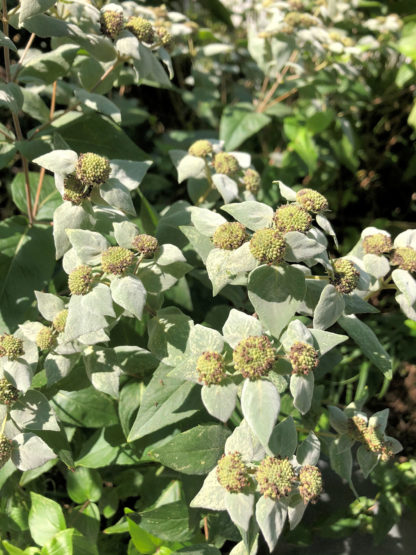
(271, 517)
(327, 340)
(68, 216)
(309, 450)
(224, 265)
(254, 215)
(226, 187)
(367, 460)
(29, 452)
(377, 266)
(129, 172)
(99, 103)
(240, 325)
(49, 305)
(33, 412)
(245, 442)
(301, 388)
(295, 514)
(325, 224)
(124, 233)
(256, 394)
(186, 165)
(103, 370)
(88, 245)
(341, 463)
(286, 192)
(299, 247)
(206, 221)
(240, 507)
(202, 338)
(330, 307)
(130, 293)
(284, 439)
(58, 161)
(117, 196)
(296, 331)
(338, 419)
(406, 284)
(212, 495)
(219, 400)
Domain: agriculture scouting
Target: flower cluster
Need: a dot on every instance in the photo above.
(268, 246)
(345, 277)
(46, 338)
(232, 473)
(211, 368)
(378, 243)
(229, 236)
(11, 347)
(275, 477)
(146, 245)
(5, 449)
(292, 217)
(8, 393)
(80, 280)
(116, 260)
(310, 483)
(254, 357)
(405, 258)
(92, 170)
(303, 357)
(371, 437)
(312, 200)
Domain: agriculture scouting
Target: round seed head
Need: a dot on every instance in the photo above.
(5, 450)
(232, 473)
(92, 169)
(377, 244)
(346, 276)
(312, 200)
(74, 190)
(111, 23)
(254, 357)
(145, 245)
(116, 260)
(226, 163)
(275, 477)
(201, 148)
(11, 347)
(46, 339)
(60, 320)
(80, 280)
(252, 181)
(229, 236)
(292, 217)
(405, 258)
(8, 393)
(268, 246)
(303, 357)
(211, 368)
(141, 28)
(310, 483)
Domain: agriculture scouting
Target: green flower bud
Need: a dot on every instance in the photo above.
(92, 169)
(291, 217)
(268, 246)
(254, 357)
(112, 23)
(5, 450)
(369, 436)
(252, 181)
(310, 483)
(116, 260)
(211, 368)
(275, 477)
(80, 280)
(201, 148)
(60, 320)
(46, 339)
(164, 36)
(74, 190)
(226, 164)
(229, 236)
(356, 427)
(11, 347)
(8, 393)
(145, 245)
(232, 473)
(346, 277)
(312, 200)
(141, 28)
(296, 19)
(405, 258)
(303, 358)
(377, 244)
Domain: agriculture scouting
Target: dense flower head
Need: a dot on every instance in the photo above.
(11, 347)
(346, 276)
(296, 19)
(163, 35)
(312, 200)
(310, 483)
(145, 244)
(226, 163)
(232, 473)
(211, 368)
(46, 338)
(268, 246)
(116, 260)
(254, 356)
(292, 217)
(370, 436)
(74, 190)
(252, 180)
(356, 427)
(405, 258)
(229, 236)
(80, 280)
(303, 357)
(111, 23)
(378, 243)
(8, 393)
(5, 449)
(92, 169)
(201, 148)
(60, 320)
(141, 28)
(275, 477)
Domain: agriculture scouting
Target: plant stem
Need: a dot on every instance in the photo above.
(23, 56)
(211, 187)
(6, 32)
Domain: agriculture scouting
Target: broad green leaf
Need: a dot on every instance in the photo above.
(60, 544)
(198, 549)
(341, 463)
(309, 450)
(83, 485)
(255, 394)
(142, 540)
(271, 517)
(50, 66)
(49, 198)
(320, 121)
(30, 452)
(86, 407)
(11, 97)
(326, 340)
(338, 419)
(102, 369)
(254, 215)
(168, 335)
(99, 103)
(29, 8)
(301, 388)
(367, 460)
(284, 439)
(240, 507)
(104, 448)
(219, 400)
(129, 293)
(329, 308)
(45, 518)
(239, 122)
(168, 522)
(7, 42)
(33, 412)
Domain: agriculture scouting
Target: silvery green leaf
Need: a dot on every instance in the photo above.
(58, 161)
(70, 261)
(365, 280)
(206, 221)
(407, 309)
(286, 192)
(168, 335)
(245, 442)
(68, 216)
(367, 460)
(406, 284)
(325, 224)
(226, 187)
(271, 517)
(199, 242)
(240, 507)
(58, 367)
(241, 549)
(296, 331)
(309, 450)
(255, 394)
(212, 495)
(377, 266)
(406, 239)
(49, 305)
(219, 400)
(299, 247)
(129, 172)
(124, 233)
(93, 337)
(33, 412)
(88, 245)
(243, 158)
(103, 370)
(20, 372)
(329, 308)
(203, 339)
(186, 165)
(301, 388)
(99, 103)
(343, 443)
(7, 42)
(223, 265)
(327, 340)
(11, 97)
(394, 444)
(161, 273)
(29, 8)
(254, 215)
(379, 420)
(295, 514)
(29, 452)
(239, 326)
(341, 463)
(338, 419)
(129, 293)
(276, 293)
(355, 305)
(118, 196)
(373, 231)
(167, 61)
(284, 439)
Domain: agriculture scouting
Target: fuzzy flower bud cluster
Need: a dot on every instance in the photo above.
(275, 477)
(111, 23)
(251, 180)
(46, 338)
(268, 246)
(59, 321)
(310, 483)
(74, 190)
(405, 258)
(141, 28)
(254, 357)
(163, 35)
(303, 358)
(232, 473)
(92, 169)
(226, 164)
(11, 347)
(145, 245)
(5, 450)
(346, 276)
(8, 393)
(369, 436)
(80, 280)
(116, 260)
(211, 368)
(292, 217)
(378, 243)
(200, 149)
(229, 236)
(312, 200)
